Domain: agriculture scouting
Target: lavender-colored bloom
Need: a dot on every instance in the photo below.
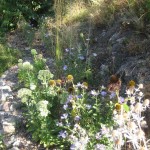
(94, 54)
(65, 67)
(64, 116)
(77, 118)
(98, 136)
(121, 99)
(65, 107)
(88, 106)
(75, 146)
(81, 57)
(67, 50)
(63, 134)
(103, 93)
(69, 99)
(79, 84)
(79, 96)
(112, 95)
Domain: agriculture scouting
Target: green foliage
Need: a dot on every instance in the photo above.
(147, 9)
(8, 57)
(2, 146)
(12, 11)
(46, 98)
(62, 114)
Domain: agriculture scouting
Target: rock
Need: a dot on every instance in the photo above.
(9, 125)
(3, 97)
(6, 106)
(17, 143)
(14, 148)
(1, 107)
(8, 141)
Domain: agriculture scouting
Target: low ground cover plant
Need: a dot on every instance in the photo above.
(66, 115)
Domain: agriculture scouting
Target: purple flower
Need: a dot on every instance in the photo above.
(81, 57)
(67, 50)
(77, 118)
(65, 107)
(121, 99)
(64, 116)
(79, 84)
(103, 93)
(79, 96)
(63, 134)
(70, 97)
(94, 54)
(98, 136)
(112, 95)
(65, 67)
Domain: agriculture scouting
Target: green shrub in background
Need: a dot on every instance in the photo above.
(12, 11)
(8, 57)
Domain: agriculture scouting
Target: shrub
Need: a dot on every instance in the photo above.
(66, 115)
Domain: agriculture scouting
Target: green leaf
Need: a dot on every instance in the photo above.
(126, 107)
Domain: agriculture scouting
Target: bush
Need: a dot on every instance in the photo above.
(8, 57)
(12, 11)
(66, 115)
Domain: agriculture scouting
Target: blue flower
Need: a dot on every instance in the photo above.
(63, 134)
(112, 95)
(65, 107)
(77, 118)
(121, 99)
(65, 67)
(103, 93)
(64, 116)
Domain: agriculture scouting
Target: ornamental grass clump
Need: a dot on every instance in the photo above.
(66, 115)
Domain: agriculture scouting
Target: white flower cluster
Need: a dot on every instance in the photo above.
(45, 75)
(42, 107)
(24, 92)
(27, 66)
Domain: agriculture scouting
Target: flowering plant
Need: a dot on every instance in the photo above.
(69, 115)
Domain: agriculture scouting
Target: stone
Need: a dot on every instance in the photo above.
(8, 141)
(1, 107)
(17, 143)
(9, 125)
(6, 106)
(3, 97)
(14, 148)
